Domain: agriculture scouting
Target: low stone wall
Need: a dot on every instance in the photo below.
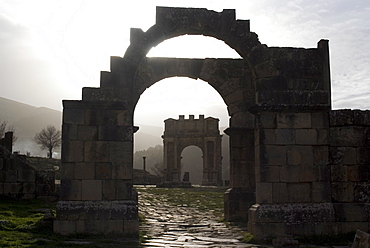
(19, 180)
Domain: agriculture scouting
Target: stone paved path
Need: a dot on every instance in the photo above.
(182, 226)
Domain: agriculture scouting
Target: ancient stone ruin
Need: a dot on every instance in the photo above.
(18, 179)
(297, 167)
(203, 133)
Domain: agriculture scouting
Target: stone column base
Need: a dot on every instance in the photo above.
(298, 219)
(97, 217)
(237, 201)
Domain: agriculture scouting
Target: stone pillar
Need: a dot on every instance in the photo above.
(293, 194)
(96, 185)
(241, 195)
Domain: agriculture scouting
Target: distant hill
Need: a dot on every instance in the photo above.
(28, 120)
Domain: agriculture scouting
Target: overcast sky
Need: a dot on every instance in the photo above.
(50, 49)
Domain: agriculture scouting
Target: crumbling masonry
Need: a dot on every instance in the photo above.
(297, 167)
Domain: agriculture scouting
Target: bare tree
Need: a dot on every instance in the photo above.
(48, 138)
(4, 127)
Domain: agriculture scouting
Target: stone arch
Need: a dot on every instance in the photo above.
(172, 22)
(203, 133)
(278, 100)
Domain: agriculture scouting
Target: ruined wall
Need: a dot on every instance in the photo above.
(19, 180)
(350, 168)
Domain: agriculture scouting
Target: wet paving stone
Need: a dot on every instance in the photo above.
(169, 225)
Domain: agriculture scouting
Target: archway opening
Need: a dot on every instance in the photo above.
(170, 98)
(192, 162)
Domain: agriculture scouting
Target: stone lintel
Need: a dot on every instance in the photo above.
(288, 107)
(84, 104)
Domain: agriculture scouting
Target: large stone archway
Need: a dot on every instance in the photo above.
(282, 133)
(203, 133)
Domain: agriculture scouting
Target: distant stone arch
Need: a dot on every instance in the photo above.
(203, 133)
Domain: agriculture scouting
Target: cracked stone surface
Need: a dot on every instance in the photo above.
(169, 225)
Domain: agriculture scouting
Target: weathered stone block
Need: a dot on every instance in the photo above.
(289, 173)
(294, 120)
(299, 192)
(285, 136)
(122, 171)
(73, 116)
(265, 173)
(91, 190)
(26, 176)
(87, 133)
(294, 156)
(347, 136)
(322, 136)
(362, 192)
(67, 170)
(7, 188)
(126, 210)
(272, 155)
(64, 227)
(306, 136)
(69, 132)
(123, 190)
(70, 190)
(103, 171)
(351, 212)
(113, 226)
(10, 176)
(339, 173)
(321, 191)
(342, 192)
(266, 136)
(72, 151)
(84, 171)
(320, 120)
(267, 120)
(29, 188)
(320, 155)
(75, 210)
(95, 209)
(16, 188)
(363, 155)
(279, 193)
(264, 193)
(109, 190)
(44, 189)
(131, 227)
(341, 117)
(346, 227)
(120, 152)
(308, 173)
(96, 151)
